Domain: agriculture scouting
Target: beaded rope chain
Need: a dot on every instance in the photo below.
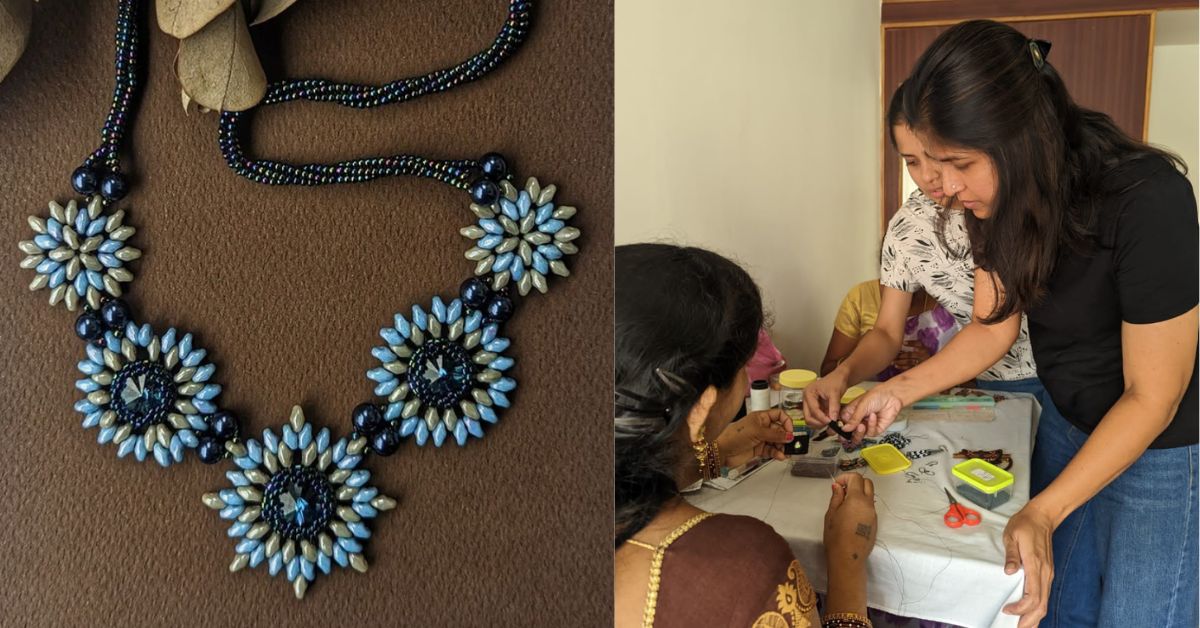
(299, 500)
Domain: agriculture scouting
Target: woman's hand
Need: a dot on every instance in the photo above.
(1027, 545)
(872, 413)
(758, 434)
(850, 521)
(823, 400)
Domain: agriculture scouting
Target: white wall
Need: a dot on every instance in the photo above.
(1175, 88)
(753, 128)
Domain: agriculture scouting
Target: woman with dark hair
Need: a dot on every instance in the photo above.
(687, 323)
(1094, 236)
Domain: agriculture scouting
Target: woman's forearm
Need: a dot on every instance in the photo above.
(874, 352)
(847, 586)
(968, 354)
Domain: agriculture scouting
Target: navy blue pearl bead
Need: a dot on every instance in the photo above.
(210, 450)
(84, 180)
(224, 425)
(115, 314)
(385, 443)
(113, 187)
(367, 419)
(494, 166)
(485, 192)
(474, 293)
(499, 308)
(89, 326)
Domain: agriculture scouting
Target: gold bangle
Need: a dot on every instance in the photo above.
(845, 620)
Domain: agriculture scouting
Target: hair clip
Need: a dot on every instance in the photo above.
(633, 403)
(1039, 49)
(673, 382)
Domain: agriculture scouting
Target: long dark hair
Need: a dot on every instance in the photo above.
(981, 85)
(687, 319)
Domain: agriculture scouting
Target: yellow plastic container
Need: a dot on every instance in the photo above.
(885, 459)
(982, 482)
(852, 393)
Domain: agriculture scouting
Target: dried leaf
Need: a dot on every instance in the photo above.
(182, 18)
(16, 16)
(271, 8)
(218, 67)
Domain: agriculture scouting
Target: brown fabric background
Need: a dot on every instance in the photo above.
(287, 289)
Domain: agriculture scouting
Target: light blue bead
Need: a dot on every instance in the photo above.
(380, 374)
(460, 433)
(540, 264)
(238, 529)
(489, 241)
(489, 333)
(204, 373)
(230, 496)
(391, 336)
(438, 308)
(237, 478)
(270, 441)
(161, 455)
(47, 266)
(258, 555)
(386, 388)
(306, 569)
(498, 345)
(454, 311)
(383, 354)
(408, 427)
(109, 260)
(358, 529)
(168, 340)
(45, 242)
(393, 412)
(95, 227)
(322, 440)
(131, 331)
(57, 277)
(339, 449)
(473, 321)
(92, 420)
(254, 450)
(505, 384)
(487, 414)
(502, 262)
(81, 284)
(87, 385)
(524, 202)
(549, 251)
(176, 448)
(305, 436)
(551, 227)
(139, 449)
(231, 512)
(350, 545)
(489, 225)
(81, 222)
(474, 427)
(126, 446)
(275, 563)
(364, 510)
(289, 437)
(422, 433)
(498, 398)
(293, 568)
(502, 363)
(366, 495)
(110, 246)
(358, 478)
(207, 407)
(517, 268)
(54, 228)
(245, 462)
(195, 357)
(185, 346)
(95, 354)
(508, 208)
(209, 392)
(106, 434)
(349, 462)
(84, 406)
(197, 422)
(439, 434)
(323, 563)
(543, 213)
(189, 438)
(340, 556)
(402, 326)
(245, 546)
(145, 335)
(96, 279)
(419, 318)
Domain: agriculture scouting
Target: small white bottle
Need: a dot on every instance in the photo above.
(760, 396)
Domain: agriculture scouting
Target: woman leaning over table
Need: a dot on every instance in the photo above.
(1094, 236)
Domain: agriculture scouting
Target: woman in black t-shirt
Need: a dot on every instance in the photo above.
(1094, 236)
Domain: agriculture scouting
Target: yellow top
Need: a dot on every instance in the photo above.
(859, 310)
(852, 393)
(797, 378)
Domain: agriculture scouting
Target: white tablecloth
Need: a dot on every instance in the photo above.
(920, 567)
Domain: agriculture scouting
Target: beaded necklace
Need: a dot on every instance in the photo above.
(298, 501)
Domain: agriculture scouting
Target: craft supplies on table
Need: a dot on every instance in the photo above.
(958, 515)
(885, 459)
(984, 483)
(790, 385)
(959, 405)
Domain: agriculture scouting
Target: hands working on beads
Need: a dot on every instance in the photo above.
(850, 527)
(867, 416)
(758, 434)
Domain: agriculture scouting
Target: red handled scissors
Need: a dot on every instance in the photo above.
(958, 515)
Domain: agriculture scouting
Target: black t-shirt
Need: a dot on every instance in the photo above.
(1143, 269)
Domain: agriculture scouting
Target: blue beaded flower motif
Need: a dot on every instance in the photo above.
(78, 254)
(146, 392)
(299, 503)
(442, 373)
(522, 237)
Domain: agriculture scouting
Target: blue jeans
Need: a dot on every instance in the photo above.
(1128, 556)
